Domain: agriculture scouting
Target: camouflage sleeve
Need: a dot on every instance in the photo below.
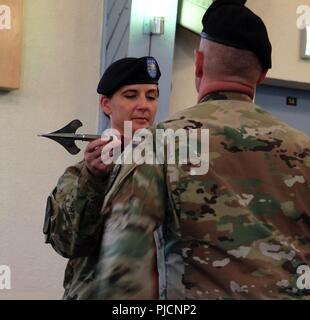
(73, 222)
(128, 247)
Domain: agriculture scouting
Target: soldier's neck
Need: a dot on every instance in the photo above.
(214, 86)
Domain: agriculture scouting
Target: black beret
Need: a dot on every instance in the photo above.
(127, 71)
(230, 23)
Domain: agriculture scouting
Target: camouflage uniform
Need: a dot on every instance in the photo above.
(73, 224)
(238, 232)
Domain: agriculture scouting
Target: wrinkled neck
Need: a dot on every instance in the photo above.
(214, 86)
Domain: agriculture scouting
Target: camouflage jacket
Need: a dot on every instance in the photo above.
(73, 224)
(239, 231)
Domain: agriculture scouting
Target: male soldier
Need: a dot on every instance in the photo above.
(239, 231)
(73, 224)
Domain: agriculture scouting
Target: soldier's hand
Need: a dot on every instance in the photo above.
(93, 157)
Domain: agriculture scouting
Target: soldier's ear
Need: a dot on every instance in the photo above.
(105, 105)
(199, 63)
(262, 77)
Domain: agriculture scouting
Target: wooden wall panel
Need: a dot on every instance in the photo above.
(10, 43)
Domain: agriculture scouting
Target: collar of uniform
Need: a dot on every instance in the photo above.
(226, 95)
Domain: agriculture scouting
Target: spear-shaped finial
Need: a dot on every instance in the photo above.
(66, 136)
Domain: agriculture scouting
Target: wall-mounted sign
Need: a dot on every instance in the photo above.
(10, 43)
(291, 101)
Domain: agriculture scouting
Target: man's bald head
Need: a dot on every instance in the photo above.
(224, 63)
